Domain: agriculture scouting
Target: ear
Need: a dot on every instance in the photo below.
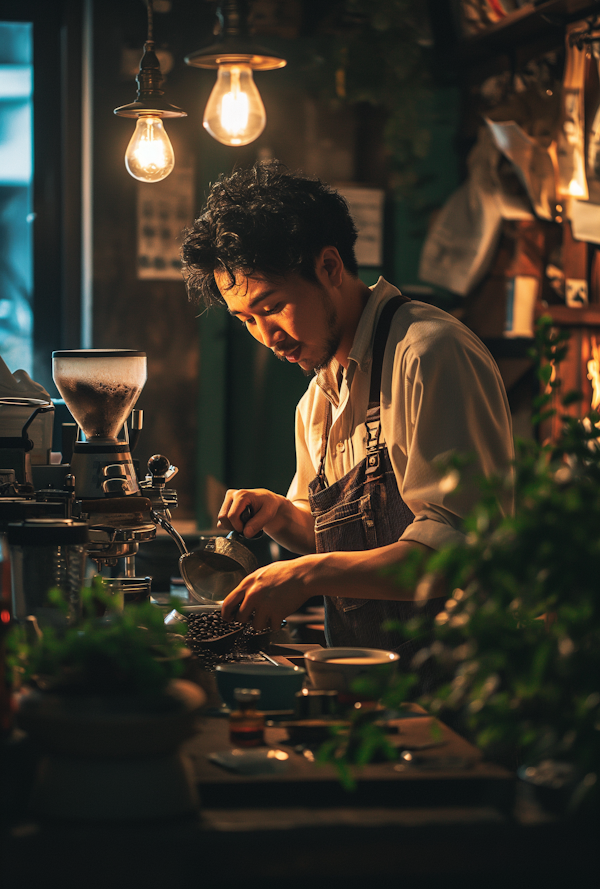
(329, 267)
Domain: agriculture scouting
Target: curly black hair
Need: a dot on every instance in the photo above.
(268, 220)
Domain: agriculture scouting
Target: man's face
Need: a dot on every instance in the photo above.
(295, 318)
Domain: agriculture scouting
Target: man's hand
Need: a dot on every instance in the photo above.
(270, 594)
(264, 504)
(289, 524)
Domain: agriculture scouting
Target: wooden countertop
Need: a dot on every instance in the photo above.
(450, 773)
(299, 830)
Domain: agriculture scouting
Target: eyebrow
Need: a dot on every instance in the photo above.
(254, 302)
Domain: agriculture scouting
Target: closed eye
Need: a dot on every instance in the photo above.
(264, 313)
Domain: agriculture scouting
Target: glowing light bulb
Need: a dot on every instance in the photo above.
(149, 156)
(235, 114)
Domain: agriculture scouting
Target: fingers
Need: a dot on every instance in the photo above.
(230, 514)
(230, 604)
(264, 619)
(241, 604)
(246, 604)
(223, 517)
(247, 511)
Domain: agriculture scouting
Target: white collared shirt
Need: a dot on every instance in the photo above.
(441, 394)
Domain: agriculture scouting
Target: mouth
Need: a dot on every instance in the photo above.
(293, 356)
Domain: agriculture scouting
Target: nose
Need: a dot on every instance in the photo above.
(268, 332)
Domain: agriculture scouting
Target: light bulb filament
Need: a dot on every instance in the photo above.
(235, 114)
(235, 107)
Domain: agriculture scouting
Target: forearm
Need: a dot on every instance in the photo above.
(363, 574)
(273, 592)
(292, 527)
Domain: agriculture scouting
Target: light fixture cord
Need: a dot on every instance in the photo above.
(150, 37)
(232, 15)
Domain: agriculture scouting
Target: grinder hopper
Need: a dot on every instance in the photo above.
(100, 387)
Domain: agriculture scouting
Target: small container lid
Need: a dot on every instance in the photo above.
(47, 532)
(246, 695)
(99, 353)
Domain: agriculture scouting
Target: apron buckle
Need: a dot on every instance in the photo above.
(373, 433)
(372, 463)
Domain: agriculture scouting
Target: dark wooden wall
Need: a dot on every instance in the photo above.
(152, 315)
(218, 404)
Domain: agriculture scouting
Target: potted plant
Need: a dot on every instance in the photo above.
(103, 702)
(519, 638)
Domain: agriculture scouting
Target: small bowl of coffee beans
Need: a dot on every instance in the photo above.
(255, 640)
(209, 632)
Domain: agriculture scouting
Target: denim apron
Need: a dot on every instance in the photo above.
(364, 510)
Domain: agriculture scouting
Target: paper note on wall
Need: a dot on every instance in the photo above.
(164, 209)
(366, 207)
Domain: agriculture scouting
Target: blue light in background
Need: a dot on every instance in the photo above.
(16, 194)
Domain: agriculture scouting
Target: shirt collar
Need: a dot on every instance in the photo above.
(361, 352)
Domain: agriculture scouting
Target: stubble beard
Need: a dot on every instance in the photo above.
(332, 341)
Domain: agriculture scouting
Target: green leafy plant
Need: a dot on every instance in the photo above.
(361, 740)
(108, 651)
(519, 637)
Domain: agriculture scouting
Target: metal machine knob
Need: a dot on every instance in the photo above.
(158, 465)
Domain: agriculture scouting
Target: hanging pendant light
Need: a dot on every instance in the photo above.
(234, 113)
(149, 156)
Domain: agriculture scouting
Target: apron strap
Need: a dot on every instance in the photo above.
(379, 343)
(373, 418)
(373, 429)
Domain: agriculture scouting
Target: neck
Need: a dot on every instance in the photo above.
(354, 296)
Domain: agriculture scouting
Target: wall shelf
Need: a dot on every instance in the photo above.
(543, 24)
(567, 317)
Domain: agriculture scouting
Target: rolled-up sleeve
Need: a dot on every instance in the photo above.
(443, 396)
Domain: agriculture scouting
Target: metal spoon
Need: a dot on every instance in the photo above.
(213, 570)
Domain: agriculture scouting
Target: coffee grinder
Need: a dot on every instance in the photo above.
(100, 387)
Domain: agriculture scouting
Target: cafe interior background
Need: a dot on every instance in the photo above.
(405, 106)
(465, 135)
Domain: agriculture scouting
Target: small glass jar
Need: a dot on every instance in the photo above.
(246, 722)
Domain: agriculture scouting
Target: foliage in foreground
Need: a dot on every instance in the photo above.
(126, 651)
(519, 637)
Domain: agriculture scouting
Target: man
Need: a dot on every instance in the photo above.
(397, 386)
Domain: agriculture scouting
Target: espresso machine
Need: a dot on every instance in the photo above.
(101, 486)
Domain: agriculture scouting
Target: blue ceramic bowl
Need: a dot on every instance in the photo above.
(277, 685)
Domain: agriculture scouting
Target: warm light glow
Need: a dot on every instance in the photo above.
(149, 156)
(277, 754)
(576, 190)
(593, 369)
(235, 114)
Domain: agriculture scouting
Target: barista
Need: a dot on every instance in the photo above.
(396, 386)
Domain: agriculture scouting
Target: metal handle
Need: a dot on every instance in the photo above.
(244, 519)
